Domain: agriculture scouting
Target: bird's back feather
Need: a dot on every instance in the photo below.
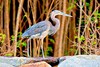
(40, 27)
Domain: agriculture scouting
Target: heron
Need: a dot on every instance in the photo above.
(43, 28)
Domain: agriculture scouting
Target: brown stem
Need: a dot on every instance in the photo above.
(17, 24)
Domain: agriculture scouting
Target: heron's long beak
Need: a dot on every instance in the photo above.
(65, 14)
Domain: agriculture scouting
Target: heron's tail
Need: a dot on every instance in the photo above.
(25, 34)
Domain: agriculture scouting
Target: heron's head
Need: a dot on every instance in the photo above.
(57, 12)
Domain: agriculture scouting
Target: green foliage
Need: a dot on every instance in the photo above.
(97, 13)
(98, 27)
(92, 18)
(21, 43)
(82, 22)
(76, 37)
(19, 34)
(94, 42)
(70, 50)
(2, 37)
(93, 36)
(82, 38)
(87, 4)
(71, 7)
(25, 15)
(75, 1)
(48, 51)
(9, 54)
(24, 44)
(18, 43)
(66, 52)
(12, 38)
(51, 40)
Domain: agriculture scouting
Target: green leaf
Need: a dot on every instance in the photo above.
(12, 38)
(19, 34)
(52, 40)
(71, 7)
(75, 1)
(87, 4)
(98, 27)
(24, 44)
(66, 52)
(49, 48)
(18, 43)
(72, 50)
(9, 54)
(92, 18)
(96, 13)
(75, 37)
(92, 35)
(82, 38)
(3, 36)
(48, 51)
(94, 43)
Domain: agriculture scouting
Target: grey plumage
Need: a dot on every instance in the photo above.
(43, 28)
(36, 29)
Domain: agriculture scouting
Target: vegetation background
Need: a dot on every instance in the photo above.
(77, 35)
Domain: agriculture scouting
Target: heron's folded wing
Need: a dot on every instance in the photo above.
(38, 28)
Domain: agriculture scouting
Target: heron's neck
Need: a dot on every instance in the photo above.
(57, 21)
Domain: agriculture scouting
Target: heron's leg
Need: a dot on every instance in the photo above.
(28, 43)
(42, 48)
(28, 47)
(30, 50)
